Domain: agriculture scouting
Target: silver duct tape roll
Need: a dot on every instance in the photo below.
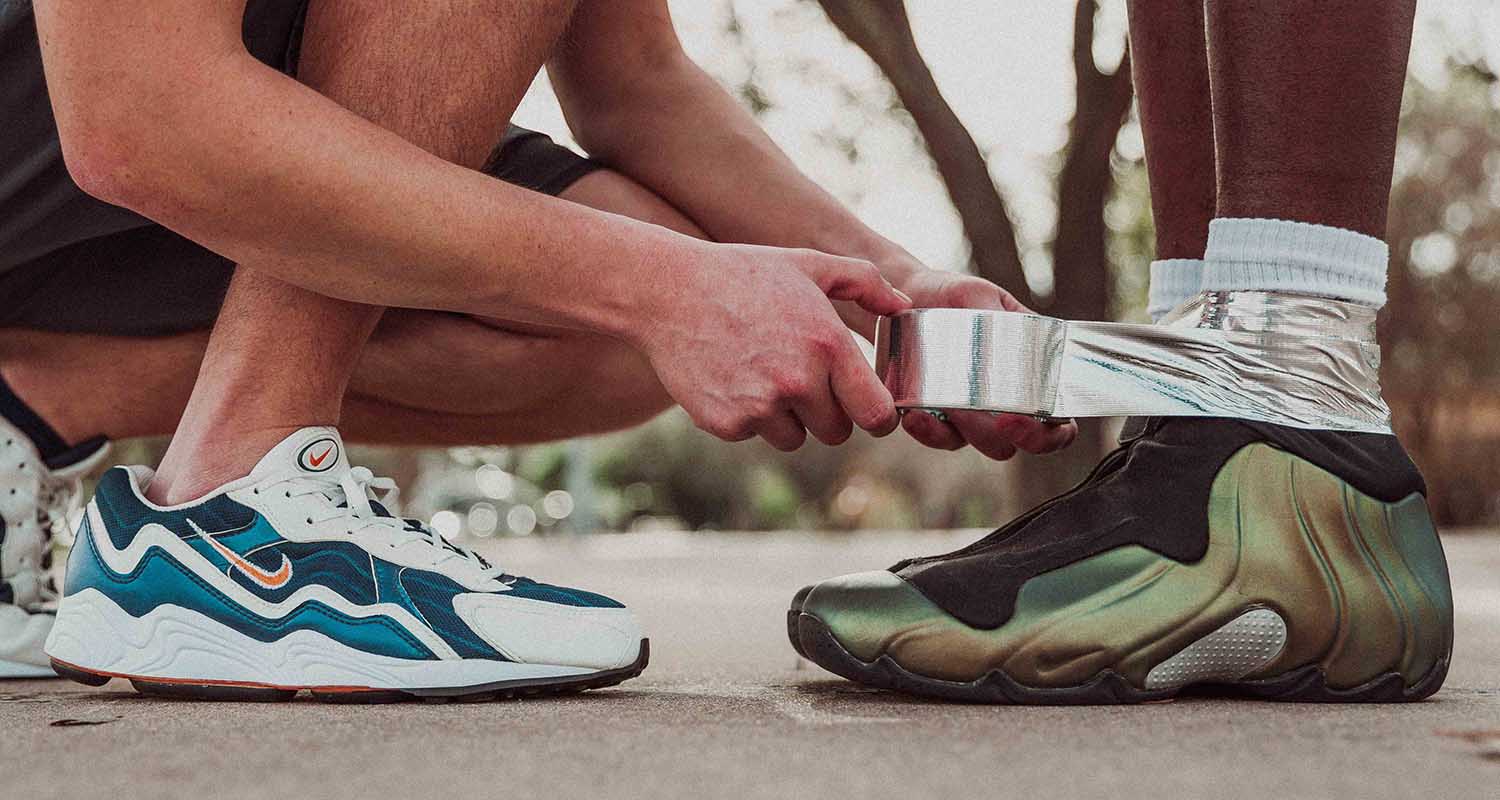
(1290, 360)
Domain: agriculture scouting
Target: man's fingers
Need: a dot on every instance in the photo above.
(823, 418)
(931, 431)
(858, 282)
(1035, 436)
(988, 433)
(782, 431)
(1000, 435)
(966, 291)
(979, 294)
(863, 397)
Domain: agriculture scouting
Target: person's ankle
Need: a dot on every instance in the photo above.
(200, 459)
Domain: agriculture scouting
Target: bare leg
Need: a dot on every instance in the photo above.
(265, 374)
(424, 378)
(1169, 56)
(1306, 98)
(281, 357)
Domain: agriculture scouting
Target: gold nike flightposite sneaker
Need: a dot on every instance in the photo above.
(1230, 556)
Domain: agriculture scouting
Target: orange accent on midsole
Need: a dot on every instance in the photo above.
(208, 682)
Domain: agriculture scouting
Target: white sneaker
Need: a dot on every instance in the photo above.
(294, 577)
(35, 498)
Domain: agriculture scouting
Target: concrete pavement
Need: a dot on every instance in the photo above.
(727, 710)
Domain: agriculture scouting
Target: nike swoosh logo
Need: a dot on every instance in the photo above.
(268, 580)
(317, 461)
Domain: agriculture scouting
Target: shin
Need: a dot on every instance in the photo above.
(281, 356)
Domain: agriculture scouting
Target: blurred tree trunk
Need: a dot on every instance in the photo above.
(1080, 250)
(1080, 256)
(882, 30)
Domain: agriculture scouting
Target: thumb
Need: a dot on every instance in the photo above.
(970, 292)
(856, 281)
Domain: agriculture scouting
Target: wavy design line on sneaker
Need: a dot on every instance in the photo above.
(1359, 584)
(247, 587)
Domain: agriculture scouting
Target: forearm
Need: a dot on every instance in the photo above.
(265, 171)
(679, 133)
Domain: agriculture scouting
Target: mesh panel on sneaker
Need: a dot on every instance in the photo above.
(124, 514)
(525, 587)
(342, 567)
(433, 594)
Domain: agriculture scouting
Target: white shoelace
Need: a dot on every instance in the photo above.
(56, 500)
(349, 497)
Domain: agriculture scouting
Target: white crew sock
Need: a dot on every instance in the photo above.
(1276, 255)
(1173, 281)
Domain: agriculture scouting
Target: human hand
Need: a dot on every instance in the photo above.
(996, 435)
(749, 344)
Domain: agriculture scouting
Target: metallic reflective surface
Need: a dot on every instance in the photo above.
(1291, 360)
(1362, 585)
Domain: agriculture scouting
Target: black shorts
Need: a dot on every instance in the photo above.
(70, 263)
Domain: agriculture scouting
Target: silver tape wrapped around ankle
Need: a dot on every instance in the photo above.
(1305, 362)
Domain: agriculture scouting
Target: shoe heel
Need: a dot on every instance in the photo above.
(75, 674)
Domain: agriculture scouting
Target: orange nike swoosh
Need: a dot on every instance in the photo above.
(317, 461)
(269, 580)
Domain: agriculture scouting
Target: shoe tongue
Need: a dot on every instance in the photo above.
(316, 450)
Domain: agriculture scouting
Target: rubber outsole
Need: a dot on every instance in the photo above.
(264, 693)
(814, 641)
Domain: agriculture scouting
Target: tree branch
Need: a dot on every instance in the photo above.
(882, 30)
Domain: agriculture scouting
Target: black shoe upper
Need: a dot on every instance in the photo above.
(1153, 492)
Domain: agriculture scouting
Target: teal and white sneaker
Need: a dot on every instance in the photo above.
(294, 577)
(36, 495)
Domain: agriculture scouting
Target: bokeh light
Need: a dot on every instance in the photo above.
(483, 519)
(521, 520)
(447, 523)
(494, 482)
(558, 504)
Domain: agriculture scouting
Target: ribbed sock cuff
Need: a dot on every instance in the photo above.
(1281, 255)
(1173, 281)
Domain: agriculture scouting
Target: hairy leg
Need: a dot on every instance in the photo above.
(424, 377)
(1306, 98)
(280, 356)
(1169, 58)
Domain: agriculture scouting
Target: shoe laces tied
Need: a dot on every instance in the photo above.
(350, 498)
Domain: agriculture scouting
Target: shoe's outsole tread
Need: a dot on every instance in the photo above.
(812, 638)
(235, 692)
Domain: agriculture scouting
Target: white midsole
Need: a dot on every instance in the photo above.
(175, 643)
